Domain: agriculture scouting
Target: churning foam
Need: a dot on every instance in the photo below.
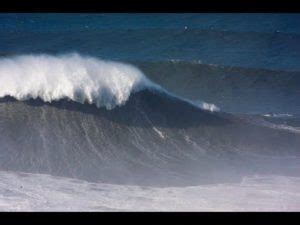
(72, 76)
(81, 79)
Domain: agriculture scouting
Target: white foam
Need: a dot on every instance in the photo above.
(78, 78)
(40, 192)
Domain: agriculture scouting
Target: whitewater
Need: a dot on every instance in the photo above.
(18, 192)
(81, 79)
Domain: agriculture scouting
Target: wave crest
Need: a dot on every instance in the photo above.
(74, 77)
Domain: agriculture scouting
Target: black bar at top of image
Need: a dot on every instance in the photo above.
(138, 6)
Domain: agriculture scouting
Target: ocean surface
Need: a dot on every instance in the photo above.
(150, 112)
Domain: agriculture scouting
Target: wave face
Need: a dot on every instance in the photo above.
(78, 78)
(153, 138)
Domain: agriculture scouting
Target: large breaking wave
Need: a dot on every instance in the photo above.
(153, 138)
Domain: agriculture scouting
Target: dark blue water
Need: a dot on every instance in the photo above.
(248, 40)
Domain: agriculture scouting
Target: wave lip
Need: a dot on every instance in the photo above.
(78, 78)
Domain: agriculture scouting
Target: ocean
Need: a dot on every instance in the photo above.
(149, 112)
